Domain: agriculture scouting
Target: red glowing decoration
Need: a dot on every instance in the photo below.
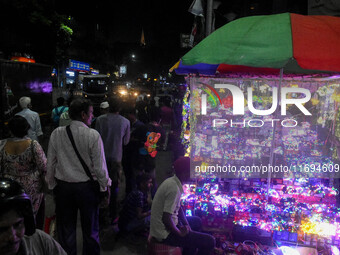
(227, 101)
(23, 59)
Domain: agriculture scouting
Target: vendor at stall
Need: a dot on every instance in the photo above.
(168, 222)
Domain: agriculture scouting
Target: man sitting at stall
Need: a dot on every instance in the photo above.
(168, 222)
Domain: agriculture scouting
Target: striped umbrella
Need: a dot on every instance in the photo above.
(266, 44)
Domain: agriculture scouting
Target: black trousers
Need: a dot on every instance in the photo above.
(71, 197)
(40, 217)
(114, 168)
(195, 242)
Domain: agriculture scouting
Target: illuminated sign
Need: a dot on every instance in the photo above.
(94, 71)
(238, 100)
(123, 69)
(22, 59)
(70, 73)
(77, 65)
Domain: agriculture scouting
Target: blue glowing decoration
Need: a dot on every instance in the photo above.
(214, 189)
(188, 213)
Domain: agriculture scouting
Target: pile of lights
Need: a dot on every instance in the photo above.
(290, 208)
(249, 247)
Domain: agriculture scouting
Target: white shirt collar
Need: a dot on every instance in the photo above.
(78, 123)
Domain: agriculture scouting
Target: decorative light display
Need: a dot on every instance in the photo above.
(298, 147)
(299, 206)
(309, 209)
(185, 135)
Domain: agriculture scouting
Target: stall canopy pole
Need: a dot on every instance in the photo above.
(208, 22)
(272, 148)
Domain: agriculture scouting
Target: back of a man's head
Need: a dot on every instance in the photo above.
(182, 168)
(114, 105)
(167, 102)
(78, 106)
(24, 102)
(60, 101)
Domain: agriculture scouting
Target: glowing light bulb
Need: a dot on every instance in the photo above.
(335, 250)
(289, 251)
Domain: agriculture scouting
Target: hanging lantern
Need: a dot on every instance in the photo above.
(336, 95)
(227, 101)
(264, 88)
(315, 101)
(187, 135)
(212, 101)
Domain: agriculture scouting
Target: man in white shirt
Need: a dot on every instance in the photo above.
(32, 118)
(18, 234)
(72, 186)
(168, 222)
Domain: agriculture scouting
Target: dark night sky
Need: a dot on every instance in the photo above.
(120, 22)
(162, 21)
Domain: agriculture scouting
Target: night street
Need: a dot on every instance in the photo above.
(183, 127)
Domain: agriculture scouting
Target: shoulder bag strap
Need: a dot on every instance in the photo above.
(87, 170)
(62, 110)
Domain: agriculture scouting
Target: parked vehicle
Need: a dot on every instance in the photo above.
(95, 88)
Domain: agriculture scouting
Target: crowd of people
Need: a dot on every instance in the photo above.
(84, 167)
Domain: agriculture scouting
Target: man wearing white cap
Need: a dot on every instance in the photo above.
(115, 132)
(32, 118)
(104, 107)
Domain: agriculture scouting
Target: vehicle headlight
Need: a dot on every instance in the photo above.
(123, 92)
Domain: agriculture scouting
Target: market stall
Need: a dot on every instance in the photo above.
(260, 123)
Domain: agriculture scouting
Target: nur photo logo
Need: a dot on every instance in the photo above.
(238, 100)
